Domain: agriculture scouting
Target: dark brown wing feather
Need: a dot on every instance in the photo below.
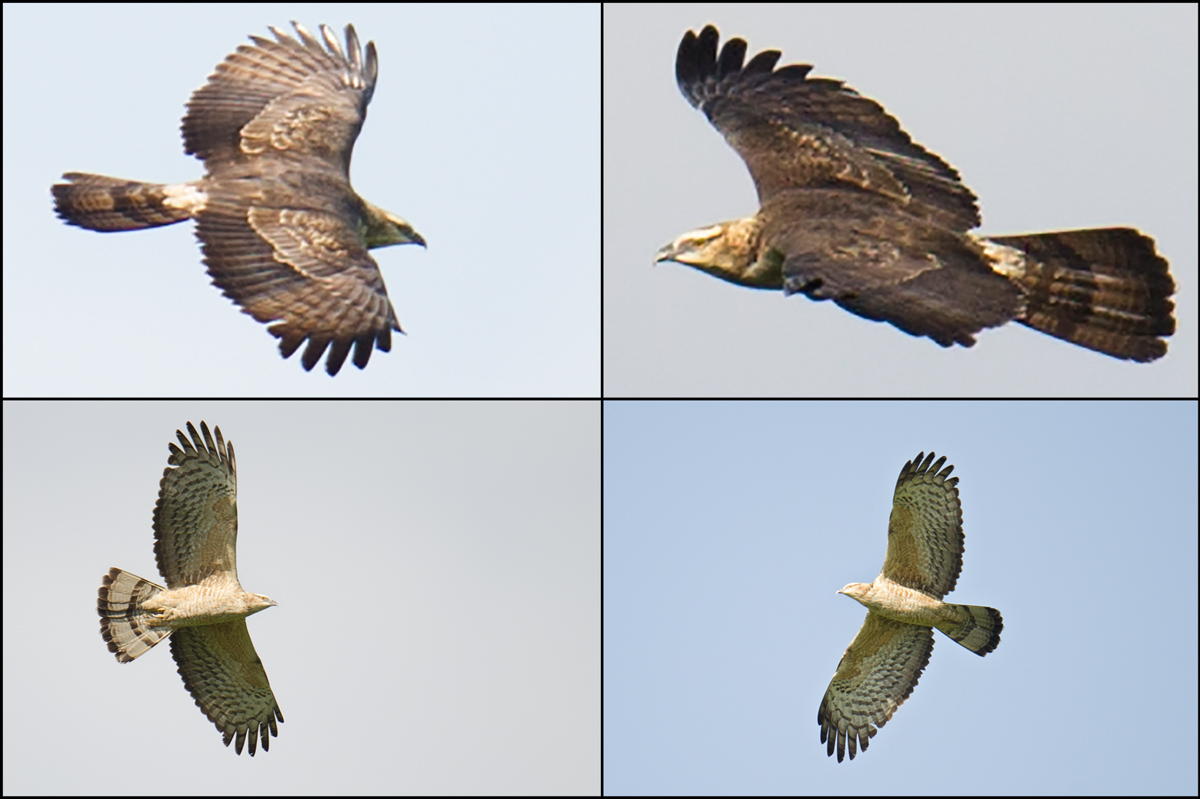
(300, 266)
(287, 244)
(880, 263)
(794, 131)
(297, 97)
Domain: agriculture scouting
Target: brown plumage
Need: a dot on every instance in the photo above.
(284, 234)
(853, 210)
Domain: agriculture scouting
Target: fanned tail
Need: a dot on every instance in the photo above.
(1106, 289)
(123, 623)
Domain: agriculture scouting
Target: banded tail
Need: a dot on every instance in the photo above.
(97, 202)
(979, 631)
(1106, 289)
(123, 623)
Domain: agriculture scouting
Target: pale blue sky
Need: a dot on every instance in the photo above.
(729, 528)
(484, 132)
(436, 567)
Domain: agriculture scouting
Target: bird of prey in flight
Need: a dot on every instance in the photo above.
(284, 235)
(880, 668)
(853, 210)
(203, 607)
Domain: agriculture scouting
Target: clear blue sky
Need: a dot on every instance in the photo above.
(729, 528)
(437, 572)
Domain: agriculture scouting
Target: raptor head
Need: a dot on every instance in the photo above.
(728, 250)
(857, 591)
(257, 602)
(382, 229)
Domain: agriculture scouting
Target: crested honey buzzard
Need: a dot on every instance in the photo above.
(853, 210)
(284, 234)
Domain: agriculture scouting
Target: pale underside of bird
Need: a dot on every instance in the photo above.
(203, 607)
(880, 668)
(284, 234)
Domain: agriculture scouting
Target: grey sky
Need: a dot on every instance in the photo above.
(483, 132)
(1058, 117)
(436, 569)
(730, 526)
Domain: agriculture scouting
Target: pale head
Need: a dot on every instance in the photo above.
(729, 250)
(257, 602)
(857, 591)
(708, 249)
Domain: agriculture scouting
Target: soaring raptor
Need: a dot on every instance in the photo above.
(854, 211)
(924, 558)
(284, 234)
(203, 609)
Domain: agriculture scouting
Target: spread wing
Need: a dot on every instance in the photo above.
(195, 518)
(284, 97)
(925, 535)
(223, 674)
(284, 234)
(794, 131)
(876, 674)
(859, 212)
